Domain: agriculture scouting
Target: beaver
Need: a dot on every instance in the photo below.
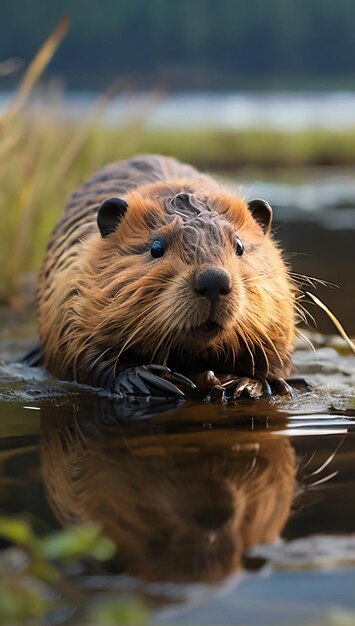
(156, 278)
(181, 506)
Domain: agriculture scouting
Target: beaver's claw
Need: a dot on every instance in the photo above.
(155, 381)
(215, 390)
(247, 387)
(231, 390)
(254, 388)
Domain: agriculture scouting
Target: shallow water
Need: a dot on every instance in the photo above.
(196, 496)
(222, 515)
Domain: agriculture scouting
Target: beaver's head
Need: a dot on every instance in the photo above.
(181, 506)
(177, 270)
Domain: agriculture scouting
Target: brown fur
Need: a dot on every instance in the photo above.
(105, 303)
(182, 506)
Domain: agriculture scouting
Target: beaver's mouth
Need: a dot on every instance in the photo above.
(208, 329)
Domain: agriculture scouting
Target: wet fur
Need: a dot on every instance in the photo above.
(105, 304)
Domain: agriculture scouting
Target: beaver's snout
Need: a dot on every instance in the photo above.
(209, 506)
(212, 283)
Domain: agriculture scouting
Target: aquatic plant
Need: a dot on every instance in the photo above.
(43, 158)
(34, 577)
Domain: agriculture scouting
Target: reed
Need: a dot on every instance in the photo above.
(43, 158)
(334, 319)
(24, 153)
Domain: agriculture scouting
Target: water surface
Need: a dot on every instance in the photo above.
(283, 110)
(222, 514)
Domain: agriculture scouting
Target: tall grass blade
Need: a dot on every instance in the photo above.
(35, 70)
(332, 317)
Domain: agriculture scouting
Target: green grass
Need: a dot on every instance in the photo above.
(43, 159)
(37, 580)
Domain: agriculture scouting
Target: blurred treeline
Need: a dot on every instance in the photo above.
(202, 44)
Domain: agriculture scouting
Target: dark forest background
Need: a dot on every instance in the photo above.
(187, 44)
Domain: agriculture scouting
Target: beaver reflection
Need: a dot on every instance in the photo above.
(180, 506)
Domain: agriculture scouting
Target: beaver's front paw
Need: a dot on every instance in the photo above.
(246, 387)
(155, 381)
(227, 389)
(211, 387)
(254, 388)
(230, 389)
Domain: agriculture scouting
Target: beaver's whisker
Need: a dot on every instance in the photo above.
(307, 342)
(275, 350)
(301, 317)
(246, 280)
(324, 480)
(311, 280)
(251, 356)
(249, 190)
(305, 315)
(327, 462)
(248, 342)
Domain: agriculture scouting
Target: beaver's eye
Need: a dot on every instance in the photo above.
(157, 249)
(239, 248)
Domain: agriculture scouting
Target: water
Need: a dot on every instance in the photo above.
(285, 111)
(314, 219)
(195, 495)
(222, 515)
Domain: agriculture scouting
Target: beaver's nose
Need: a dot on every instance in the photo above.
(213, 283)
(212, 518)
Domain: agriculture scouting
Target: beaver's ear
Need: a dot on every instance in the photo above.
(110, 214)
(262, 213)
